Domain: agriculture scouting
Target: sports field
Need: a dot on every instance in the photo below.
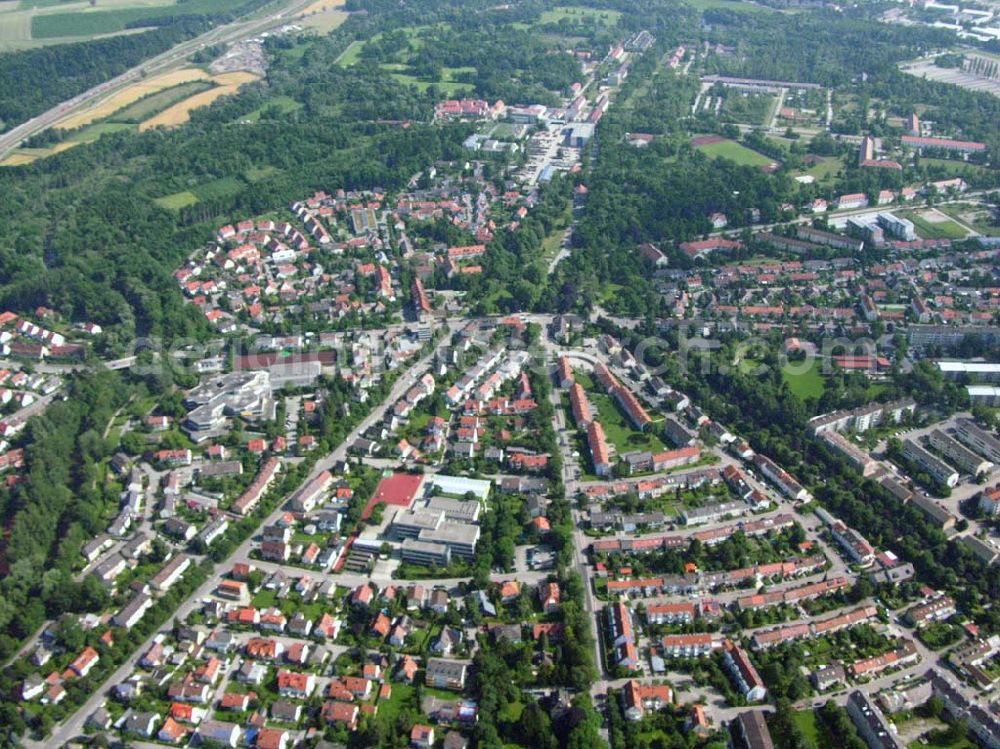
(729, 149)
(934, 225)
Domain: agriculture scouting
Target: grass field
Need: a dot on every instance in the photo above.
(807, 384)
(618, 429)
(446, 83)
(256, 174)
(284, 103)
(825, 170)
(93, 132)
(805, 720)
(217, 188)
(180, 113)
(729, 149)
(326, 21)
(586, 15)
(177, 201)
(320, 6)
(929, 229)
(132, 94)
(976, 216)
(728, 5)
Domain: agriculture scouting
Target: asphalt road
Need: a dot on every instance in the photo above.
(73, 726)
(173, 57)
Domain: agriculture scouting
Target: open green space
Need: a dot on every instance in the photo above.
(155, 103)
(729, 149)
(578, 14)
(978, 217)
(218, 188)
(281, 104)
(805, 721)
(92, 132)
(804, 384)
(618, 429)
(736, 5)
(177, 201)
(934, 229)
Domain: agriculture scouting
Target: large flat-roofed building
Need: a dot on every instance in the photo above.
(871, 724)
(984, 395)
(410, 523)
(978, 439)
(425, 553)
(897, 227)
(957, 453)
(947, 336)
(863, 418)
(937, 468)
(455, 510)
(460, 538)
(246, 394)
(459, 486)
(973, 371)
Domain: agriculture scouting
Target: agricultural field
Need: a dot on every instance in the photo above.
(84, 20)
(323, 15)
(156, 103)
(180, 113)
(326, 21)
(729, 149)
(130, 95)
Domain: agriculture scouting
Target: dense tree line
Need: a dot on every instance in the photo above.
(60, 505)
(32, 81)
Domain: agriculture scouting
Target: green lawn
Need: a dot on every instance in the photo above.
(578, 14)
(728, 5)
(218, 188)
(284, 105)
(92, 132)
(618, 429)
(806, 722)
(729, 149)
(177, 201)
(265, 598)
(256, 174)
(807, 384)
(934, 229)
(978, 217)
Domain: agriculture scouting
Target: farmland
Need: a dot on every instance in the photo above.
(166, 100)
(728, 149)
(84, 20)
(180, 112)
(131, 94)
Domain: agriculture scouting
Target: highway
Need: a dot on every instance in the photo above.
(172, 58)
